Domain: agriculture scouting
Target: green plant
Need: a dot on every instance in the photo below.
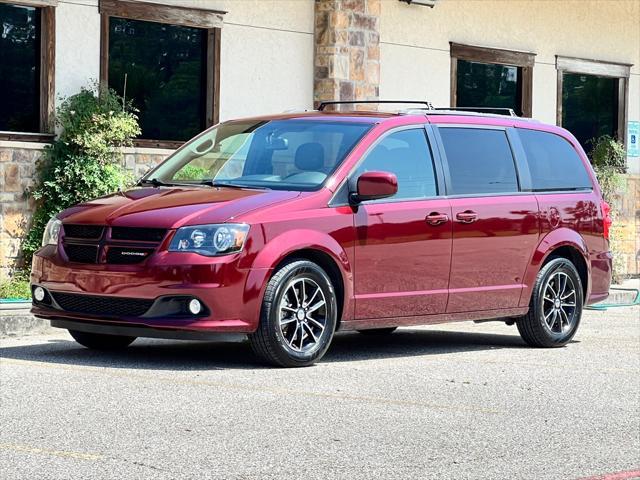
(608, 158)
(83, 162)
(16, 287)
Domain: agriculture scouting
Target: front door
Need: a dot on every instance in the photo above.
(495, 226)
(403, 246)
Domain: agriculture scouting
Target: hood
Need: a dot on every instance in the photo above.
(172, 207)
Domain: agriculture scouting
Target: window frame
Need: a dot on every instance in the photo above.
(598, 68)
(341, 196)
(520, 166)
(209, 20)
(524, 61)
(47, 72)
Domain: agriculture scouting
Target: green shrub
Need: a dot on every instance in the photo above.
(16, 287)
(608, 158)
(83, 162)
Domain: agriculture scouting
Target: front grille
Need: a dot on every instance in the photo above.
(138, 234)
(82, 253)
(99, 305)
(86, 232)
(127, 256)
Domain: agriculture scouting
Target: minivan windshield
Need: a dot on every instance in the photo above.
(294, 154)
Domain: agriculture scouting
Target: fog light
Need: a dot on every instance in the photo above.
(195, 307)
(38, 294)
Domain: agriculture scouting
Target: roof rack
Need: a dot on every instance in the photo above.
(494, 110)
(321, 107)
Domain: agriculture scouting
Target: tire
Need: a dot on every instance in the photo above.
(285, 339)
(98, 341)
(552, 321)
(378, 332)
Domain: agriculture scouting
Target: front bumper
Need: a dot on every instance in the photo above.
(231, 295)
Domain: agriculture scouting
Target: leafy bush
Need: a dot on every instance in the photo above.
(608, 158)
(82, 163)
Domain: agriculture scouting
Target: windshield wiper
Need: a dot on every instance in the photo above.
(213, 183)
(159, 183)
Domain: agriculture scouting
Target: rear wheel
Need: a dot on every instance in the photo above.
(556, 306)
(374, 332)
(298, 316)
(98, 341)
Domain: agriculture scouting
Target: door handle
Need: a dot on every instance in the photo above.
(435, 218)
(467, 216)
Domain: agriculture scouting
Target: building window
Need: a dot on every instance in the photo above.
(491, 78)
(26, 70)
(166, 61)
(592, 98)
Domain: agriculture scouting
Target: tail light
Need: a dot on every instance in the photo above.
(607, 221)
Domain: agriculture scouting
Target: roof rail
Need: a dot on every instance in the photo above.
(323, 105)
(494, 110)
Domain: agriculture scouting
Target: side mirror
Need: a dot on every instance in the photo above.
(375, 185)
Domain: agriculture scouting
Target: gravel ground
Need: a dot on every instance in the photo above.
(457, 401)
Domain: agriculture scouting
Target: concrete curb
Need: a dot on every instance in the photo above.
(18, 322)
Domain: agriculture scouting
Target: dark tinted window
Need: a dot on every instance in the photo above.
(480, 161)
(553, 162)
(406, 154)
(19, 68)
(488, 85)
(165, 74)
(589, 106)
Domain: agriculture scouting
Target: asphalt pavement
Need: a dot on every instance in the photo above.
(456, 401)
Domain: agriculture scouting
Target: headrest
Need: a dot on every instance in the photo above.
(310, 157)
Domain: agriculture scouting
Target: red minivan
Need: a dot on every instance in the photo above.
(289, 228)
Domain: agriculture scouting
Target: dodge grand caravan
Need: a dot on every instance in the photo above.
(289, 228)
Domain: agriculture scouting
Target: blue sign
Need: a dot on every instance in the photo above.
(633, 139)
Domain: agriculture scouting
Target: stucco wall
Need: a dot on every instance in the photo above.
(266, 52)
(415, 59)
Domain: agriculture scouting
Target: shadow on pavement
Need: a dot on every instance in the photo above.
(188, 355)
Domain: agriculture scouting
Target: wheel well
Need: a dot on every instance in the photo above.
(328, 265)
(574, 256)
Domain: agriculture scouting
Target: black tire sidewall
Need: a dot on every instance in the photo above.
(302, 268)
(552, 267)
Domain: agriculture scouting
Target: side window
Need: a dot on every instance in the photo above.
(480, 161)
(407, 155)
(553, 162)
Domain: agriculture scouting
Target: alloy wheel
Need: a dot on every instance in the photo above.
(302, 314)
(559, 303)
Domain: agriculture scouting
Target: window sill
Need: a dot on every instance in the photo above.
(166, 144)
(27, 137)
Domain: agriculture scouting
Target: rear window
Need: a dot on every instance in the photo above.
(553, 162)
(480, 161)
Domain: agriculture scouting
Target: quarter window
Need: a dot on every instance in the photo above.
(553, 162)
(480, 161)
(406, 154)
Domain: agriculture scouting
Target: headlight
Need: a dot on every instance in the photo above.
(210, 240)
(51, 232)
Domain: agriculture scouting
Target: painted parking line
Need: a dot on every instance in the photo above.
(258, 389)
(54, 453)
(627, 475)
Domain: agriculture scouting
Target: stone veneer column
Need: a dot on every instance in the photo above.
(347, 50)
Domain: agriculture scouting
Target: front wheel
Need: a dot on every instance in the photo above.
(298, 316)
(98, 341)
(556, 306)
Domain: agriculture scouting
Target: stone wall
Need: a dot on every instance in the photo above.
(18, 162)
(626, 229)
(347, 50)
